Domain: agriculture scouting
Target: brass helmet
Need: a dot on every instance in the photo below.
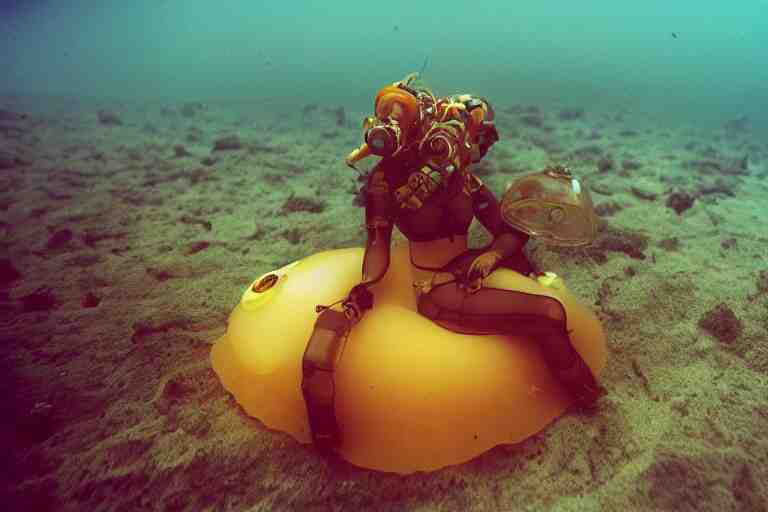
(551, 205)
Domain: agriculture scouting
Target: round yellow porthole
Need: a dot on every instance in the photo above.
(265, 283)
(263, 289)
(260, 292)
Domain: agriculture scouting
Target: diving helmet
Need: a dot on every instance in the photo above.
(398, 109)
(551, 205)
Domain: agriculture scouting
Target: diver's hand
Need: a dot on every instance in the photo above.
(361, 296)
(359, 300)
(483, 265)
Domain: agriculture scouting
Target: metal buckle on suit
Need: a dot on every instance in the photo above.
(422, 287)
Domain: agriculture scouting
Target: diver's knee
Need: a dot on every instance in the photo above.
(553, 309)
(326, 341)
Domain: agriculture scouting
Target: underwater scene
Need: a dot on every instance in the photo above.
(414, 256)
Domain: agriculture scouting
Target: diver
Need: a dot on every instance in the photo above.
(423, 185)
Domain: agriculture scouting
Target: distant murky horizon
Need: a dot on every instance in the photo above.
(686, 60)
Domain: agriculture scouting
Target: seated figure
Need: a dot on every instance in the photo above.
(424, 186)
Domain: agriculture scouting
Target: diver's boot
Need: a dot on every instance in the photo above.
(571, 370)
(581, 384)
(318, 389)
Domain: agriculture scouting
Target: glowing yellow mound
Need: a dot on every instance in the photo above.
(410, 395)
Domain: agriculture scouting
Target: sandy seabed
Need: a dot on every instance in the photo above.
(130, 229)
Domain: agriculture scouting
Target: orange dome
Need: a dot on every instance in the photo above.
(410, 394)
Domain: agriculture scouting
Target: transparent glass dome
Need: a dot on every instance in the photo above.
(551, 206)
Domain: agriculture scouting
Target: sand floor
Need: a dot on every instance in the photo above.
(127, 238)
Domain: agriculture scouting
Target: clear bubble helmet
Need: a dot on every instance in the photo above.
(551, 206)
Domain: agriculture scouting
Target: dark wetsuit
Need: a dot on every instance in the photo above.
(447, 212)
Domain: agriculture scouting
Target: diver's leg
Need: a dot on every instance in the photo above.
(493, 310)
(569, 367)
(318, 364)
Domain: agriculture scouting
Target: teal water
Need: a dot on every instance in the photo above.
(158, 156)
(683, 61)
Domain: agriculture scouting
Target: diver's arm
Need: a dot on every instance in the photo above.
(332, 326)
(506, 240)
(378, 222)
